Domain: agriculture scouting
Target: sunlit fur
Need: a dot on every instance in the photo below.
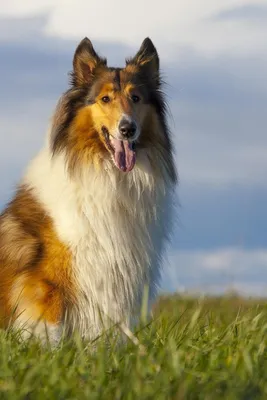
(81, 239)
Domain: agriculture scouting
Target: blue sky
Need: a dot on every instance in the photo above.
(214, 59)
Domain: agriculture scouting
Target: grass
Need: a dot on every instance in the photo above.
(214, 348)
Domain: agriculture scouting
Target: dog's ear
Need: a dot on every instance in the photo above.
(85, 61)
(147, 60)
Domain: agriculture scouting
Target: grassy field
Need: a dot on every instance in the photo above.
(211, 348)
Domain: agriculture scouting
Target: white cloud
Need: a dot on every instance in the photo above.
(26, 8)
(217, 270)
(171, 23)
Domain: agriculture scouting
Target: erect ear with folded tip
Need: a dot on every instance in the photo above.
(85, 62)
(147, 60)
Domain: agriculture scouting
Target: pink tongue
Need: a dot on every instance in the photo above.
(124, 154)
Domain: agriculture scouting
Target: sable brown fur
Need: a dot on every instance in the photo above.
(31, 253)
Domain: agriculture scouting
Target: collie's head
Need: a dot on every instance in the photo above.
(112, 114)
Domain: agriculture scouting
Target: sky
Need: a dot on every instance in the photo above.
(214, 60)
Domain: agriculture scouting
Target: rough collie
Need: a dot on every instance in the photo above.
(86, 230)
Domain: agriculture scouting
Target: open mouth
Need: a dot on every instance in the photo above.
(123, 151)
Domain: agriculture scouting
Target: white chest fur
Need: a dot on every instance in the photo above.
(115, 225)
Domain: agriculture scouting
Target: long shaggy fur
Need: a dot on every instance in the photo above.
(81, 239)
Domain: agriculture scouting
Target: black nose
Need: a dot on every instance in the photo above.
(127, 128)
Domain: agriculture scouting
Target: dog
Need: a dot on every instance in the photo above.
(90, 220)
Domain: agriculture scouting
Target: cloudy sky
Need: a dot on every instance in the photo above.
(214, 59)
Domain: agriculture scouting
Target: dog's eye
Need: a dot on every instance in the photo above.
(135, 98)
(106, 99)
